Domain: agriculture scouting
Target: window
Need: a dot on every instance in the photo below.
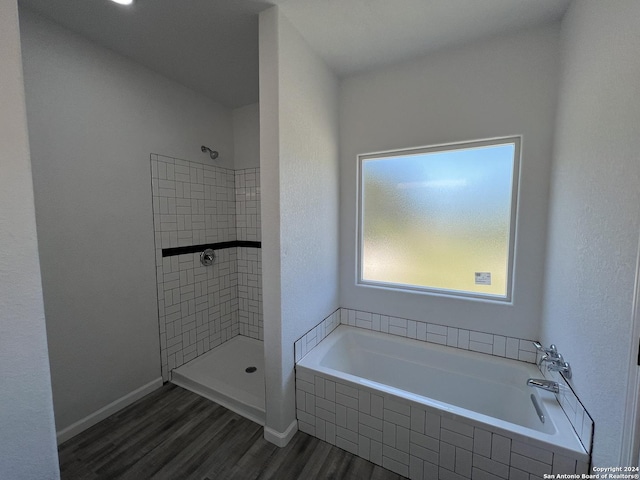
(440, 219)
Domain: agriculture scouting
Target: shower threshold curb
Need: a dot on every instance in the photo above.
(250, 412)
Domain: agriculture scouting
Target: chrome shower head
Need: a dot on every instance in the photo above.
(212, 153)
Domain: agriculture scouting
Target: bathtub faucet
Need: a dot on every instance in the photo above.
(549, 354)
(555, 360)
(548, 385)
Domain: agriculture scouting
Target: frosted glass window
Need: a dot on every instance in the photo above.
(440, 218)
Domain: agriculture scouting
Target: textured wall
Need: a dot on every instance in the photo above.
(504, 86)
(595, 203)
(299, 168)
(27, 435)
(309, 189)
(94, 118)
(270, 211)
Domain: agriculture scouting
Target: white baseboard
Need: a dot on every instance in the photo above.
(281, 438)
(99, 415)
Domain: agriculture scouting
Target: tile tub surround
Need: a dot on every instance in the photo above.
(573, 408)
(498, 345)
(416, 441)
(481, 342)
(482, 468)
(314, 336)
(417, 438)
(490, 344)
(201, 307)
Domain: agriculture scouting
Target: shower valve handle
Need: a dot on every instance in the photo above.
(207, 257)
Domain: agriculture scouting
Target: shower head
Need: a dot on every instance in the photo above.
(212, 153)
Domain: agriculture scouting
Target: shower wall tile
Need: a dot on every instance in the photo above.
(250, 292)
(193, 203)
(202, 307)
(247, 200)
(197, 306)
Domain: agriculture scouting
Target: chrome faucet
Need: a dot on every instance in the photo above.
(550, 354)
(555, 360)
(548, 385)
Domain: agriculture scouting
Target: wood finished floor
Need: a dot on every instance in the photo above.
(175, 434)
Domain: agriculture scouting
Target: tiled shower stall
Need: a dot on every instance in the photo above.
(198, 206)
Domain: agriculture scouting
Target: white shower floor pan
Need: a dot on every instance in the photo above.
(220, 375)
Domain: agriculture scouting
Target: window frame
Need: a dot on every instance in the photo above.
(516, 140)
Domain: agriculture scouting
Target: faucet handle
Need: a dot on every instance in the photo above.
(562, 367)
(555, 359)
(551, 351)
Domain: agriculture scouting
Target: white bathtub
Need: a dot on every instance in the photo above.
(474, 389)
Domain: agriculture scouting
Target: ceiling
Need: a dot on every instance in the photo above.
(211, 46)
(358, 35)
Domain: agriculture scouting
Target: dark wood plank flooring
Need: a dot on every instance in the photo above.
(175, 434)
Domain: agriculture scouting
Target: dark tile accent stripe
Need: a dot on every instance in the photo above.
(170, 252)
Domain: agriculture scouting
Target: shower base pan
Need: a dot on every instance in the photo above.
(226, 375)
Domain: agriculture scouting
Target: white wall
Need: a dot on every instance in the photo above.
(246, 136)
(595, 203)
(299, 179)
(276, 418)
(27, 436)
(500, 87)
(94, 118)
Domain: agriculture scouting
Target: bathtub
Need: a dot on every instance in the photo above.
(419, 408)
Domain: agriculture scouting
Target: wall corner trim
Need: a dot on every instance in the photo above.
(99, 415)
(281, 439)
